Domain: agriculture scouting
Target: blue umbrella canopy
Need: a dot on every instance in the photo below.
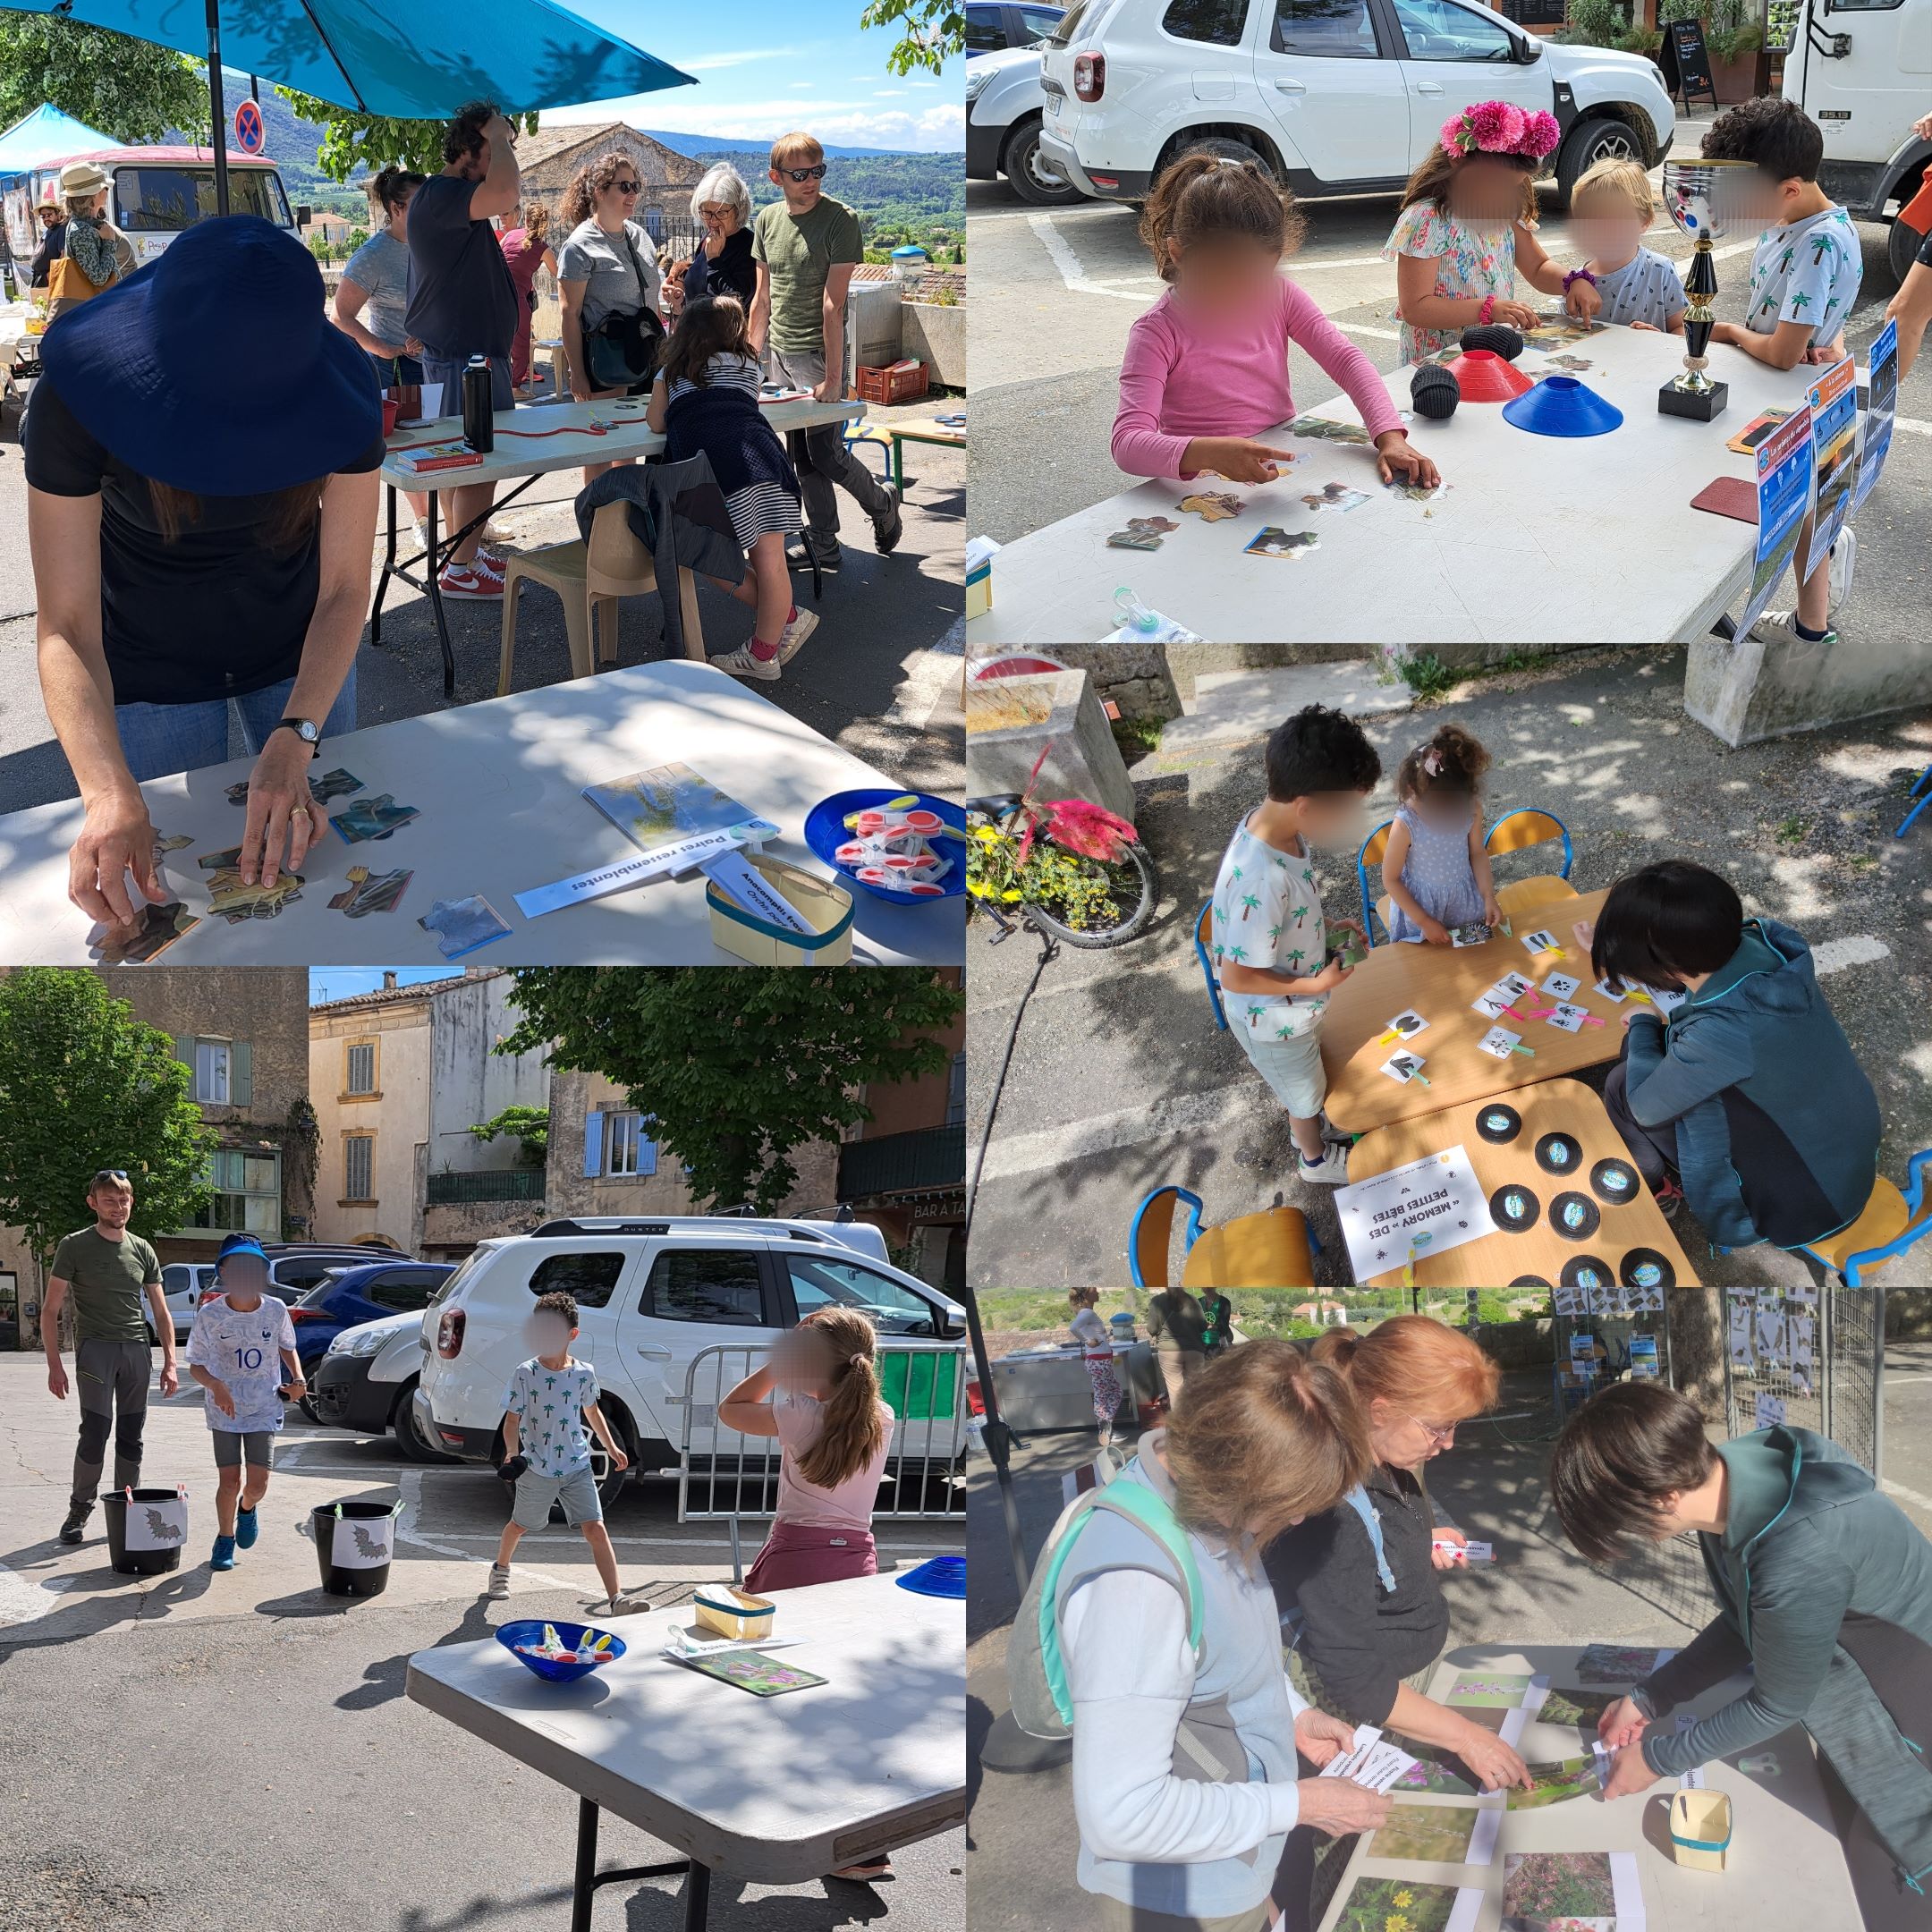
(44, 135)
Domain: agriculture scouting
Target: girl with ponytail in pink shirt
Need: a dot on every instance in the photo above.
(1205, 371)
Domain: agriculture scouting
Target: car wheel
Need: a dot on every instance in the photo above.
(1223, 147)
(1027, 173)
(410, 1439)
(1595, 142)
(1903, 246)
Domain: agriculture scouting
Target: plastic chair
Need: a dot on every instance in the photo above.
(1372, 849)
(615, 564)
(1892, 1222)
(1203, 923)
(1922, 795)
(1273, 1249)
(1516, 831)
(1152, 1230)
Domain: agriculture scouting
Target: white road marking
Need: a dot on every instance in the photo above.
(22, 1601)
(1904, 1495)
(1068, 263)
(1224, 1109)
(1833, 955)
(1362, 328)
(1912, 424)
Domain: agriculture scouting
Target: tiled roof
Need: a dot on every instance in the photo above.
(392, 996)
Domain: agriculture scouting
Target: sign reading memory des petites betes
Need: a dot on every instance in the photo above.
(1424, 1209)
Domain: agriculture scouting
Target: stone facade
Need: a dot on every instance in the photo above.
(549, 160)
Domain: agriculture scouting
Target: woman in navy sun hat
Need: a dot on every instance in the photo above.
(202, 449)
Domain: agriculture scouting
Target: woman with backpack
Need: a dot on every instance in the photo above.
(1189, 1781)
(95, 253)
(1373, 1620)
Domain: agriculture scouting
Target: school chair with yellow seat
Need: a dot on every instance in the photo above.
(1892, 1222)
(1203, 932)
(1372, 850)
(585, 576)
(1516, 831)
(1269, 1250)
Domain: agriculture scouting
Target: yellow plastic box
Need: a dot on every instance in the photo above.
(825, 904)
(732, 1612)
(1701, 1829)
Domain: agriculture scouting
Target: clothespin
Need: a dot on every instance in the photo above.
(1530, 1051)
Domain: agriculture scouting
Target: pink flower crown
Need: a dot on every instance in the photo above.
(1501, 128)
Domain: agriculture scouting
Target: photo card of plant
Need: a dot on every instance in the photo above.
(1572, 1891)
(1551, 1784)
(1405, 1905)
(1579, 1708)
(1437, 1834)
(1501, 1689)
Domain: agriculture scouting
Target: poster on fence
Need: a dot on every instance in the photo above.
(1783, 495)
(1835, 445)
(1881, 411)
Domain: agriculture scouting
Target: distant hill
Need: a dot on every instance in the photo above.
(700, 144)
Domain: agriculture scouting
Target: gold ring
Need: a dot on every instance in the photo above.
(298, 811)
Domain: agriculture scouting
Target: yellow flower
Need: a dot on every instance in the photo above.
(1396, 1922)
(986, 835)
(1009, 895)
(979, 888)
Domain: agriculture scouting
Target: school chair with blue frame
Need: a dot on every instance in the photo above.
(1516, 831)
(1892, 1222)
(1372, 849)
(1203, 932)
(1920, 795)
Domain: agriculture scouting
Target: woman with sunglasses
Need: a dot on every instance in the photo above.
(611, 287)
(1373, 1621)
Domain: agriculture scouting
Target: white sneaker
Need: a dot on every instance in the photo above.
(741, 663)
(1841, 564)
(1332, 1135)
(499, 1582)
(1330, 1171)
(625, 1603)
(1781, 627)
(792, 639)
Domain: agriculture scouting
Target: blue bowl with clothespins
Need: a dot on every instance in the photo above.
(559, 1653)
(833, 822)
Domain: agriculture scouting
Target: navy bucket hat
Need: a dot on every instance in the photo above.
(214, 369)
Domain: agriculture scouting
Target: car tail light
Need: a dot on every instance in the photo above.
(975, 1400)
(1089, 76)
(307, 1314)
(450, 1334)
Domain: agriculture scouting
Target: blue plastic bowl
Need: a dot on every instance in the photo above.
(1561, 406)
(938, 1576)
(553, 1670)
(825, 832)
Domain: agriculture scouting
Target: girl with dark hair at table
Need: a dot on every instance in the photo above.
(1747, 1102)
(202, 451)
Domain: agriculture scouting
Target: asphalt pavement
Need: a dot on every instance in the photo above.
(1119, 1081)
(236, 1751)
(880, 675)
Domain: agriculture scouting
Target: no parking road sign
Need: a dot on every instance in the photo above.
(248, 127)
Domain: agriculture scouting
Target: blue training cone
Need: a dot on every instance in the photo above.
(1561, 406)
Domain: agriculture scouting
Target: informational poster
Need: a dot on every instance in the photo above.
(1426, 1207)
(1835, 445)
(1881, 411)
(1783, 495)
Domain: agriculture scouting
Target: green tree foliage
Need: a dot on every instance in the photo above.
(529, 1124)
(350, 140)
(738, 1068)
(129, 89)
(84, 1085)
(931, 32)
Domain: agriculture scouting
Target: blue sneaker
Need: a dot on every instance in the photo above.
(224, 1556)
(246, 1528)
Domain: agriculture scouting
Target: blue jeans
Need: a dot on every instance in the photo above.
(157, 738)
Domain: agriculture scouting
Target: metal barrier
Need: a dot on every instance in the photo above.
(722, 1475)
(1814, 1358)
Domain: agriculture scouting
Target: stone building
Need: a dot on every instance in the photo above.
(242, 1033)
(548, 158)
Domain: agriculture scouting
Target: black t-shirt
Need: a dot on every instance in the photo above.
(52, 247)
(733, 273)
(215, 613)
(461, 299)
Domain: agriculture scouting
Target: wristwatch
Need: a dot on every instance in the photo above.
(306, 729)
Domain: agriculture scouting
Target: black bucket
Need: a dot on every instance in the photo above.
(140, 1562)
(352, 1522)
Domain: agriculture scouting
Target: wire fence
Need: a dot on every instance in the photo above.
(1811, 1358)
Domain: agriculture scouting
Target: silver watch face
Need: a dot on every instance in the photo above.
(308, 730)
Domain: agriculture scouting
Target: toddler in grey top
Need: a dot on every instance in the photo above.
(1610, 209)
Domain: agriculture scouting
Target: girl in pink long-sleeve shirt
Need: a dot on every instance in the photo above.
(1207, 367)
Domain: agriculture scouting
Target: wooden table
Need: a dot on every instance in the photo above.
(894, 435)
(775, 1790)
(530, 443)
(498, 785)
(1611, 553)
(1786, 1871)
(1550, 1107)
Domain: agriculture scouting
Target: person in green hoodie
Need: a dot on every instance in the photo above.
(1749, 1098)
(1823, 1590)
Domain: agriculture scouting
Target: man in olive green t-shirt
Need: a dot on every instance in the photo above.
(805, 247)
(109, 1273)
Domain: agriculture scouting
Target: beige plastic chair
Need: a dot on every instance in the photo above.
(613, 565)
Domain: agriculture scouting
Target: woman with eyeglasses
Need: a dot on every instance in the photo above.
(611, 287)
(722, 263)
(1363, 1575)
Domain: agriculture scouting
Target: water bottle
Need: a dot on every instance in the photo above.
(480, 422)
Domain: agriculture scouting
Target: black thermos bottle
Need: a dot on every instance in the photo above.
(480, 422)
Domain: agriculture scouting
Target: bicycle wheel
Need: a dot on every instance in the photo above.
(1132, 886)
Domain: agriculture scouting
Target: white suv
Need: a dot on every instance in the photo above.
(1332, 96)
(650, 1296)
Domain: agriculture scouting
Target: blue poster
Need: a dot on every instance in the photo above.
(1834, 443)
(1783, 497)
(1880, 411)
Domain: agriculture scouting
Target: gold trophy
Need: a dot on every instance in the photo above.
(1704, 200)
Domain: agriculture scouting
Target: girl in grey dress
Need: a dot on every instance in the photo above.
(1436, 870)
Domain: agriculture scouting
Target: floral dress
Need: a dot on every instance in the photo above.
(1471, 262)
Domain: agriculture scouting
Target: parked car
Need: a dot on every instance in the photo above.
(1005, 106)
(993, 25)
(366, 1381)
(1331, 97)
(184, 1283)
(651, 1295)
(348, 1297)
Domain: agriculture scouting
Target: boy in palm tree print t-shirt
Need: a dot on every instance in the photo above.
(1807, 273)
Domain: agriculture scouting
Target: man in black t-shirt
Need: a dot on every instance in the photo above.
(462, 302)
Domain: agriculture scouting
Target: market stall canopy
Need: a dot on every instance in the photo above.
(46, 135)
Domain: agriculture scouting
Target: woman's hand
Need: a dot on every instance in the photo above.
(412, 346)
(1433, 930)
(1447, 1559)
(1338, 1806)
(1321, 1738)
(1491, 1759)
(1395, 452)
(1238, 459)
(1628, 1774)
(116, 837)
(1624, 1722)
(1515, 315)
(280, 811)
(579, 387)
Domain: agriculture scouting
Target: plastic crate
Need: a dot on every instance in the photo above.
(887, 386)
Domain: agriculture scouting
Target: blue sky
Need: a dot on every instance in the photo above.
(339, 982)
(763, 68)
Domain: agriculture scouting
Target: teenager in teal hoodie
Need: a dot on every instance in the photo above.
(1823, 1590)
(1748, 1097)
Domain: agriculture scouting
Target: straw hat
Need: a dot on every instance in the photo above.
(82, 178)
